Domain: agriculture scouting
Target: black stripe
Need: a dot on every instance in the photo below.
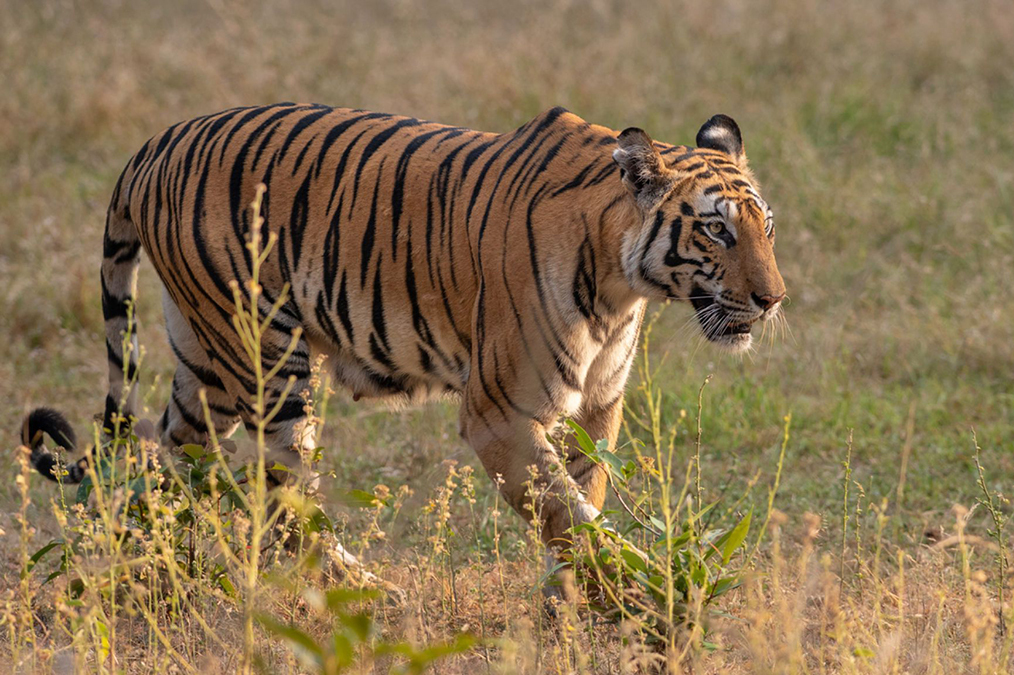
(537, 275)
(195, 423)
(339, 173)
(672, 256)
(379, 328)
(299, 127)
(379, 355)
(251, 114)
(325, 322)
(336, 132)
(529, 140)
(236, 205)
(516, 407)
(419, 321)
(204, 375)
(116, 359)
(293, 408)
(372, 148)
(332, 251)
(300, 157)
(298, 220)
(521, 329)
(575, 182)
(584, 285)
(118, 251)
(605, 172)
(342, 308)
(229, 413)
(401, 176)
(480, 336)
(112, 307)
(370, 233)
(534, 172)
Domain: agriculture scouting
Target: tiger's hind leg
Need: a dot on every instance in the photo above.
(184, 420)
(290, 437)
(287, 436)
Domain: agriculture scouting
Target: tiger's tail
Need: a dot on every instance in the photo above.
(48, 422)
(121, 255)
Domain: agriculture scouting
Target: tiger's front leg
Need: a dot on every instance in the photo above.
(516, 453)
(505, 420)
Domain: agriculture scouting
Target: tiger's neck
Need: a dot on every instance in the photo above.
(558, 208)
(618, 221)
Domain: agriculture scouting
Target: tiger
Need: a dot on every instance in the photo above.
(509, 270)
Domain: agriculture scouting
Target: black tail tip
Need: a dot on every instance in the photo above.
(47, 422)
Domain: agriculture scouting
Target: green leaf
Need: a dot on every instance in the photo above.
(84, 488)
(703, 512)
(337, 598)
(658, 524)
(420, 659)
(343, 651)
(62, 568)
(103, 641)
(585, 527)
(194, 451)
(306, 650)
(725, 584)
(863, 652)
(136, 488)
(361, 625)
(547, 578)
(584, 441)
(317, 521)
(226, 585)
(711, 536)
(613, 464)
(360, 499)
(104, 466)
(38, 555)
(57, 573)
(278, 466)
(633, 560)
(734, 539)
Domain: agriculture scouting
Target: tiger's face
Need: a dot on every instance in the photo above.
(706, 235)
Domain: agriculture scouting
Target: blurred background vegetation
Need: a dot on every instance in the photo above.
(882, 134)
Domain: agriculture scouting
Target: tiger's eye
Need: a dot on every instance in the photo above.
(716, 227)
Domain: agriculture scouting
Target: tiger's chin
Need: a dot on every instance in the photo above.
(733, 344)
(721, 330)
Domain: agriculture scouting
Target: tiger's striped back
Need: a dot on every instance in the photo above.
(376, 217)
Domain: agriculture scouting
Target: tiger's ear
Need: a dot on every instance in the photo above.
(722, 133)
(641, 167)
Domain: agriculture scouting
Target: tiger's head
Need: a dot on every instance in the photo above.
(705, 234)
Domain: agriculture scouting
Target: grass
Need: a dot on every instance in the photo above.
(881, 133)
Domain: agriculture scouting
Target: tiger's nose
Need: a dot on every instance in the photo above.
(766, 302)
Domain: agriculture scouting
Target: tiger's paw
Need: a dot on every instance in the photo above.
(344, 565)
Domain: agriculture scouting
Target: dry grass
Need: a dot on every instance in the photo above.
(882, 134)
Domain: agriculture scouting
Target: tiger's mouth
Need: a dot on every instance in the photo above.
(716, 323)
